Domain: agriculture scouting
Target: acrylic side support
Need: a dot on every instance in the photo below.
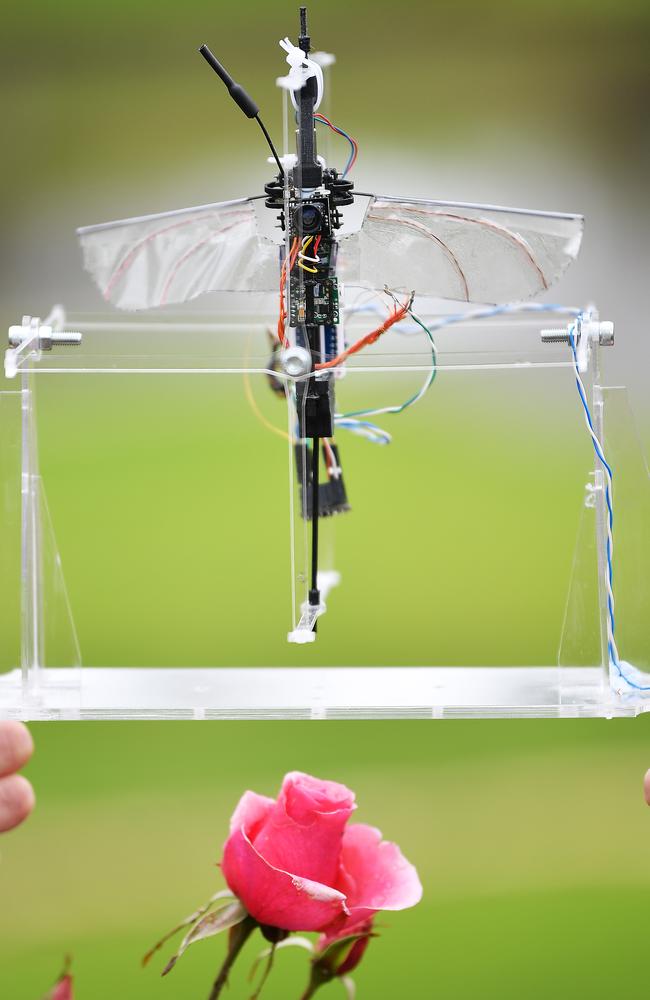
(48, 635)
(10, 529)
(442, 467)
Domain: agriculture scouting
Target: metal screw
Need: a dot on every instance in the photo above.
(47, 338)
(606, 334)
(556, 336)
(602, 332)
(62, 338)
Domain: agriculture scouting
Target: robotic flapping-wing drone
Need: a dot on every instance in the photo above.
(465, 253)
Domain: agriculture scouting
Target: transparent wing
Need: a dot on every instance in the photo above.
(468, 253)
(175, 256)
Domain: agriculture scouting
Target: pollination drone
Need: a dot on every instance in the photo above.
(481, 256)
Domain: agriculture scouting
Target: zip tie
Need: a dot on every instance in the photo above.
(301, 68)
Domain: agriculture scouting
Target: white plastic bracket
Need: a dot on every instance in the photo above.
(309, 613)
(301, 68)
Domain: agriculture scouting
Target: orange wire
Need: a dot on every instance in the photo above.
(293, 253)
(398, 313)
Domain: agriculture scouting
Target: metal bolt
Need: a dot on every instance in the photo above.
(602, 332)
(62, 338)
(559, 336)
(47, 338)
(606, 334)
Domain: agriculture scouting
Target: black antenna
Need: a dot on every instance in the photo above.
(310, 170)
(304, 41)
(241, 98)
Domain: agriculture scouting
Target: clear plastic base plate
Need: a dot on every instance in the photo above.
(315, 693)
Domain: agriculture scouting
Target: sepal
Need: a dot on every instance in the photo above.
(193, 917)
(212, 923)
(344, 954)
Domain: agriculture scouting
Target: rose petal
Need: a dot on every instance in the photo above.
(375, 875)
(62, 990)
(305, 797)
(303, 832)
(354, 956)
(276, 897)
(250, 812)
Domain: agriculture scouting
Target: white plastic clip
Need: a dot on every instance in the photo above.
(301, 69)
(304, 630)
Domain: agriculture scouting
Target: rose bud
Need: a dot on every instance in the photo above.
(340, 955)
(281, 858)
(296, 865)
(62, 989)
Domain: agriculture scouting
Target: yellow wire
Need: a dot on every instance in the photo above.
(248, 392)
(305, 243)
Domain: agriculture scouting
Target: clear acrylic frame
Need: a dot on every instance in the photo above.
(483, 525)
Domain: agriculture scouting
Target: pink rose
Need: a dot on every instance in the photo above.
(62, 989)
(295, 863)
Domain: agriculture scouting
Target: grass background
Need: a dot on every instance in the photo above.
(531, 837)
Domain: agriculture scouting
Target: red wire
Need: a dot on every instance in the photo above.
(346, 135)
(330, 460)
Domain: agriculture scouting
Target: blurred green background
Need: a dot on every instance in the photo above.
(531, 838)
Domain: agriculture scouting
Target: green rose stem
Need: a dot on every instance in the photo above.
(238, 936)
(320, 975)
(309, 992)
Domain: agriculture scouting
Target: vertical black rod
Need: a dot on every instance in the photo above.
(314, 596)
(304, 41)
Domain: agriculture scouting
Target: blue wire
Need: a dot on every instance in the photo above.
(379, 436)
(340, 131)
(544, 307)
(610, 514)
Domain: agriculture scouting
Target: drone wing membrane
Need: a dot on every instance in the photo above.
(468, 253)
(172, 257)
(450, 250)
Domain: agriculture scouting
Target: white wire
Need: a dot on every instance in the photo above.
(364, 429)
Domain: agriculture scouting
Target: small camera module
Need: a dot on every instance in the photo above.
(308, 219)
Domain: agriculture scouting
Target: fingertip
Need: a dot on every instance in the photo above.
(646, 786)
(26, 795)
(25, 743)
(16, 746)
(17, 800)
